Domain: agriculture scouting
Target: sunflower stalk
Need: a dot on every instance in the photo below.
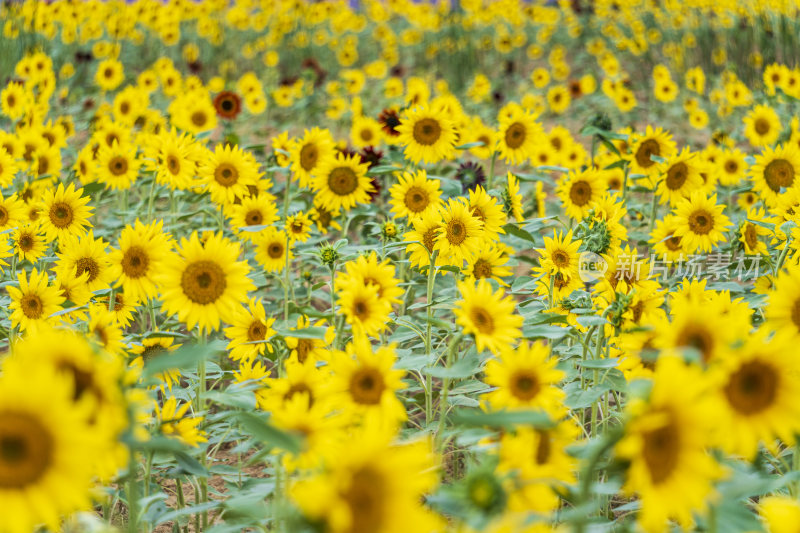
(429, 333)
(452, 348)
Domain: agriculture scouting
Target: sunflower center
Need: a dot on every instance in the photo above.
(673, 243)
(701, 222)
(199, 119)
(482, 269)
(456, 232)
(731, 167)
(61, 215)
(761, 125)
(416, 199)
(88, 265)
(427, 131)
(203, 282)
(31, 306)
(135, 262)
(482, 319)
(151, 352)
(226, 174)
(254, 217)
(366, 135)
(82, 379)
(308, 156)
(661, 452)
(227, 105)
(524, 385)
(796, 313)
(173, 164)
(118, 166)
(257, 331)
(324, 217)
(275, 250)
(44, 166)
(580, 193)
(515, 135)
(698, 338)
(366, 498)
(751, 236)
(342, 181)
(26, 450)
(544, 448)
(367, 386)
(676, 176)
(646, 149)
(3, 216)
(25, 242)
(304, 346)
(752, 388)
(779, 173)
(428, 239)
(561, 259)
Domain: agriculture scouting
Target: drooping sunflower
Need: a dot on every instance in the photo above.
(204, 283)
(363, 308)
(665, 443)
(414, 195)
(487, 315)
(427, 135)
(228, 172)
(775, 170)
(33, 301)
(271, 249)
(45, 466)
(341, 182)
(700, 222)
(518, 135)
(137, 260)
(65, 212)
(364, 382)
(86, 255)
(579, 190)
(460, 234)
(525, 378)
(762, 127)
(117, 165)
(680, 176)
(249, 325)
(307, 152)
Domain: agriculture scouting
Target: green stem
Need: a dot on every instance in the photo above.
(451, 352)
(490, 179)
(653, 210)
(429, 334)
(133, 492)
(784, 252)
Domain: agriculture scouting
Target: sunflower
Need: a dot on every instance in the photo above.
(371, 485)
(124, 306)
(228, 172)
(249, 325)
(654, 142)
(324, 218)
(422, 240)
(47, 445)
(749, 233)
(512, 199)
(680, 177)
(732, 167)
(365, 131)
(762, 127)
(700, 326)
(783, 311)
(781, 513)
(86, 255)
(193, 112)
(28, 243)
(364, 383)
(517, 136)
(700, 222)
(252, 212)
(560, 254)
(579, 190)
(65, 212)
(774, 171)
(173, 422)
(307, 152)
(489, 211)
(665, 444)
(414, 195)
(271, 248)
(104, 330)
(117, 166)
(34, 301)
(460, 234)
(15, 100)
(298, 227)
(150, 348)
(8, 168)
(367, 270)
(302, 348)
(204, 283)
(489, 263)
(488, 316)
(12, 212)
(174, 158)
(228, 105)
(109, 74)
(427, 135)
(666, 245)
(363, 308)
(525, 378)
(341, 182)
(134, 265)
(298, 379)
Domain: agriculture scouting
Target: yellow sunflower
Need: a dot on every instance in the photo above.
(367, 270)
(489, 211)
(680, 176)
(65, 212)
(228, 172)
(489, 263)
(427, 135)
(117, 166)
(700, 222)
(137, 260)
(12, 212)
(762, 127)
(783, 311)
(363, 308)
(560, 254)
(253, 211)
(654, 142)
(414, 195)
(151, 347)
(775, 170)
(518, 135)
(460, 235)
(525, 378)
(298, 227)
(314, 349)
(28, 242)
(8, 168)
(271, 249)
(86, 255)
(307, 152)
(341, 182)
(487, 315)
(579, 190)
(422, 240)
(204, 283)
(34, 301)
(249, 325)
(512, 199)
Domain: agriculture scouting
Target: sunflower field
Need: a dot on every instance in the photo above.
(385, 266)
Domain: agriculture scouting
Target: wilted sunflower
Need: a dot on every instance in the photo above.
(517, 136)
(414, 195)
(460, 234)
(204, 283)
(249, 325)
(271, 248)
(34, 301)
(427, 135)
(700, 222)
(487, 315)
(525, 378)
(341, 182)
(64, 212)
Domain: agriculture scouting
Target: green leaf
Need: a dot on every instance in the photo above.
(383, 169)
(187, 356)
(599, 363)
(545, 332)
(266, 433)
(593, 320)
(518, 232)
(190, 465)
(305, 333)
(467, 146)
(501, 419)
(463, 368)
